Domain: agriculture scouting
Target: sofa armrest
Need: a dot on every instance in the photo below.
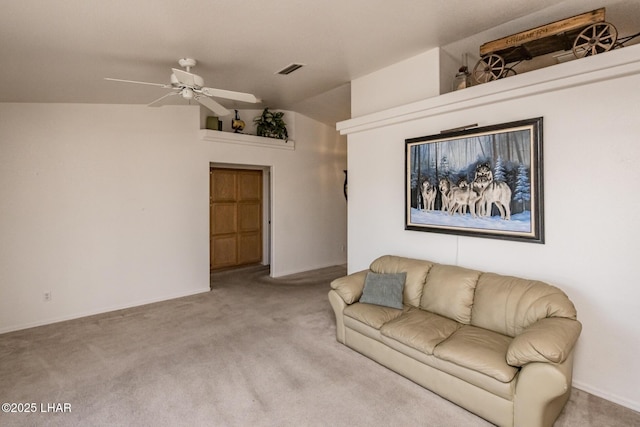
(338, 305)
(350, 287)
(548, 340)
(542, 391)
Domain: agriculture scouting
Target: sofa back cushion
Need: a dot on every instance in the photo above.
(415, 269)
(448, 291)
(508, 305)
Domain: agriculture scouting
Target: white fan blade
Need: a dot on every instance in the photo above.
(156, 103)
(229, 94)
(185, 78)
(212, 105)
(140, 83)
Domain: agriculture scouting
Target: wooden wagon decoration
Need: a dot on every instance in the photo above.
(586, 34)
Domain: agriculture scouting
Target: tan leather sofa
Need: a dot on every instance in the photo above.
(499, 346)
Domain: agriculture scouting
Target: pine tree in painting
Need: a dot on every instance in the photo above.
(499, 174)
(444, 167)
(523, 187)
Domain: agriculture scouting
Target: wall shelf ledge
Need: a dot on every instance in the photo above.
(244, 139)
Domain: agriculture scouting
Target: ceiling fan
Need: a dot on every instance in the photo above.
(191, 86)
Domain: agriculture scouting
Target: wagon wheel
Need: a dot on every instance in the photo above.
(595, 39)
(488, 68)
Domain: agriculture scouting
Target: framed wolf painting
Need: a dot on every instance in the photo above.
(484, 182)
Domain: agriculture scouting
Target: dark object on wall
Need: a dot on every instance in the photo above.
(345, 185)
(483, 182)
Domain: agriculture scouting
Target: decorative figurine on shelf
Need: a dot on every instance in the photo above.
(462, 79)
(236, 124)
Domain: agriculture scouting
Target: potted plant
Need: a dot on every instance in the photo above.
(270, 124)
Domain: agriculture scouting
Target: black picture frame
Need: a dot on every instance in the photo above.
(481, 182)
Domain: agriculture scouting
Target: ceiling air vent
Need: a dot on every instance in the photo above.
(290, 69)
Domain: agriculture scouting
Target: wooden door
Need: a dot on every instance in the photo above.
(236, 217)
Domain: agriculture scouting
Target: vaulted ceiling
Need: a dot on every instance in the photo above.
(61, 50)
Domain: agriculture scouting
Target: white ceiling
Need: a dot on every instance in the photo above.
(60, 50)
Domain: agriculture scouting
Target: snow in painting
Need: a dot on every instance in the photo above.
(520, 222)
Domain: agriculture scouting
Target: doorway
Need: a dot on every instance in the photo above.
(236, 217)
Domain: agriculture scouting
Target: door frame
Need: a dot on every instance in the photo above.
(267, 213)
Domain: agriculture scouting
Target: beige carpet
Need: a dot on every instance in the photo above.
(254, 351)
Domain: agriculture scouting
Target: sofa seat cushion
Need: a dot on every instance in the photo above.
(372, 315)
(351, 324)
(419, 329)
(478, 379)
(478, 349)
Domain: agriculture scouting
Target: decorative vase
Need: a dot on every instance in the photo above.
(237, 124)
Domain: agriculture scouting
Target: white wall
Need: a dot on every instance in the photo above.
(383, 89)
(591, 157)
(106, 206)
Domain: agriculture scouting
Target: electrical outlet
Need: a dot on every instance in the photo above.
(47, 296)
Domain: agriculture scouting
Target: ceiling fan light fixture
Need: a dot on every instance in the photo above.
(290, 69)
(187, 93)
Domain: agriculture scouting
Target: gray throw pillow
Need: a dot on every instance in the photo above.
(384, 289)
